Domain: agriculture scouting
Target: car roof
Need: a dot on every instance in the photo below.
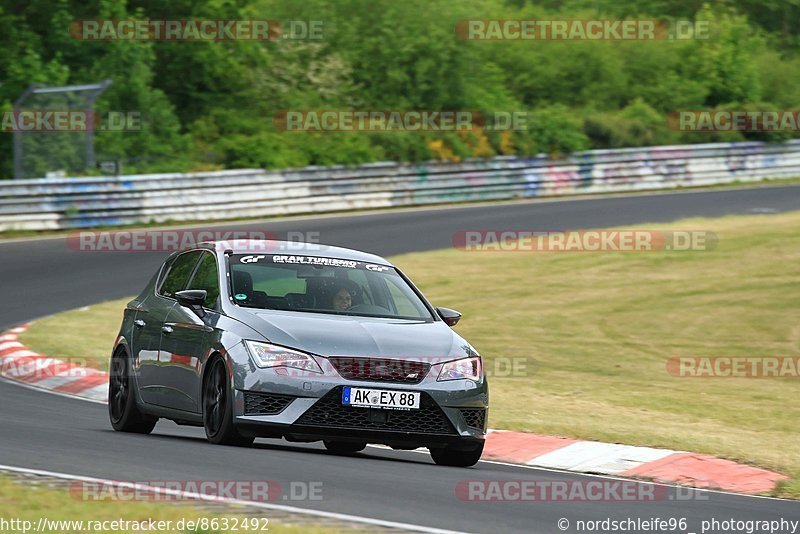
(294, 248)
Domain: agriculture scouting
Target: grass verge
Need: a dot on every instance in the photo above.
(594, 332)
(30, 502)
(85, 334)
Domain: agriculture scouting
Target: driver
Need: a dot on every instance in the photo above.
(342, 299)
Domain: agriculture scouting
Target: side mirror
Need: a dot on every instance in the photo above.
(450, 317)
(194, 299)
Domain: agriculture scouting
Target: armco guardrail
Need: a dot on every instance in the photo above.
(81, 202)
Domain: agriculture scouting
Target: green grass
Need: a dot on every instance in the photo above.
(30, 502)
(596, 330)
(85, 334)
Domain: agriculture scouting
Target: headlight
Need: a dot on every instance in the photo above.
(470, 368)
(266, 355)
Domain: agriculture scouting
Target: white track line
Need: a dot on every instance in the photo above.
(214, 498)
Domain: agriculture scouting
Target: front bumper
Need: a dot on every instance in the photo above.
(307, 407)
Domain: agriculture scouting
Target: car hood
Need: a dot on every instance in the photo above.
(335, 335)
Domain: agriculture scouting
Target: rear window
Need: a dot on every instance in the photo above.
(323, 285)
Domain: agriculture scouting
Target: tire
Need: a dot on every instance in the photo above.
(217, 411)
(122, 410)
(456, 457)
(344, 447)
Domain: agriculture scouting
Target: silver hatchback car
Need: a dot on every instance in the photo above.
(305, 342)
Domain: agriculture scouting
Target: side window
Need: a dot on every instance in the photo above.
(179, 273)
(205, 277)
(162, 275)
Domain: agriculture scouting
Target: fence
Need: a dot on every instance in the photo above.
(55, 203)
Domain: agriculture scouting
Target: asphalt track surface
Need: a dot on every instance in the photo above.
(48, 432)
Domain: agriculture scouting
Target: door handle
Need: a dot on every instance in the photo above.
(139, 323)
(193, 326)
(166, 329)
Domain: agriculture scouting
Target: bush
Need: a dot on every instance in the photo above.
(637, 124)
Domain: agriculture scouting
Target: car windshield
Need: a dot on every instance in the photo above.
(323, 285)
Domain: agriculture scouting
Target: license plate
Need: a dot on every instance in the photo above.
(381, 398)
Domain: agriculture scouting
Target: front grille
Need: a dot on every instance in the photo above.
(329, 412)
(475, 417)
(256, 403)
(381, 369)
